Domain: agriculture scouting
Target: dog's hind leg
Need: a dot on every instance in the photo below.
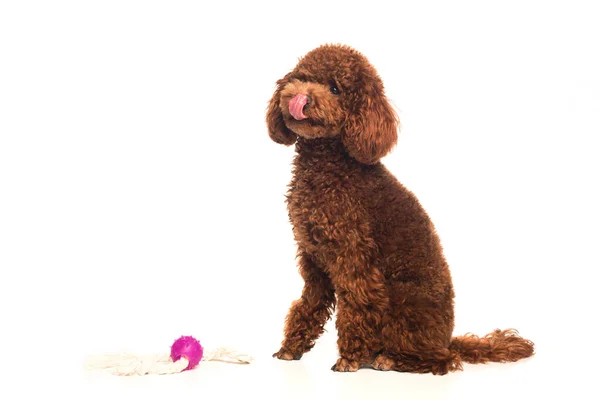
(417, 331)
(438, 362)
(307, 316)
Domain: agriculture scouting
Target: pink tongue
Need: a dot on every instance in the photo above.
(297, 104)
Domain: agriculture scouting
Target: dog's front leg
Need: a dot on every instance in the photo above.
(308, 315)
(362, 303)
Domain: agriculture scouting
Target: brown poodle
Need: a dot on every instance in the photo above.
(365, 244)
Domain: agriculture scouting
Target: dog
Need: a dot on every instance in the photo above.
(366, 247)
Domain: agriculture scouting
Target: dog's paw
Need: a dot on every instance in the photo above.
(343, 365)
(383, 363)
(283, 354)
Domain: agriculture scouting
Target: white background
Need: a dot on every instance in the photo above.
(141, 198)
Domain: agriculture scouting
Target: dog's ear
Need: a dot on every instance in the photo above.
(371, 130)
(277, 129)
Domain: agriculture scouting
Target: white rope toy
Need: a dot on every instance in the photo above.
(185, 354)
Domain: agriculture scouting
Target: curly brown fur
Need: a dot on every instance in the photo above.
(366, 246)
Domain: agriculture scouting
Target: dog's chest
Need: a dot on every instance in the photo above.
(317, 202)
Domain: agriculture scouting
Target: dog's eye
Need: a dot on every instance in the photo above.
(334, 90)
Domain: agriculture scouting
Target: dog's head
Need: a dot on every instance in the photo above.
(334, 91)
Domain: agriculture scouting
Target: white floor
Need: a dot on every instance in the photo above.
(551, 372)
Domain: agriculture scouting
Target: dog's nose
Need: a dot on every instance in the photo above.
(308, 101)
(297, 105)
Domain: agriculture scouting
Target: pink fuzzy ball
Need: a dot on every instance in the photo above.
(188, 347)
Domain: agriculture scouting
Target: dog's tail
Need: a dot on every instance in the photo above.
(498, 346)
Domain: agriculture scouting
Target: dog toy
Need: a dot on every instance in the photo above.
(186, 353)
